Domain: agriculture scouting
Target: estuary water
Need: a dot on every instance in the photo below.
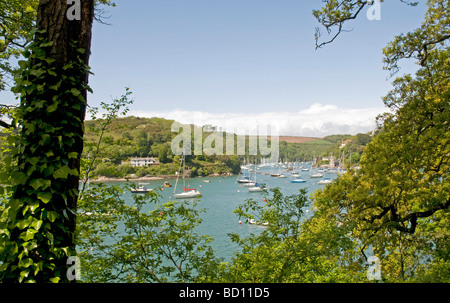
(222, 195)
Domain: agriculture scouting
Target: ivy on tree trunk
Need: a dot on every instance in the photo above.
(53, 85)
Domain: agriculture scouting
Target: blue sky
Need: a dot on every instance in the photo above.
(246, 60)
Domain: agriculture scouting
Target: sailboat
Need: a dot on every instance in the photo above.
(298, 180)
(188, 192)
(141, 190)
(326, 181)
(316, 175)
(256, 187)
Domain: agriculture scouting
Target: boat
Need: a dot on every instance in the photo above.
(167, 184)
(257, 188)
(206, 181)
(316, 175)
(326, 181)
(141, 190)
(298, 180)
(253, 221)
(244, 180)
(188, 193)
(275, 175)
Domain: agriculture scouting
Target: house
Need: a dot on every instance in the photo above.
(344, 143)
(139, 162)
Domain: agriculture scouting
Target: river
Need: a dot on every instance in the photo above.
(222, 195)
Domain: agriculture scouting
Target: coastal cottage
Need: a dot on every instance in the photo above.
(139, 162)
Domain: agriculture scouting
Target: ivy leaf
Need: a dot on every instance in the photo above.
(28, 235)
(44, 197)
(62, 172)
(46, 44)
(18, 178)
(52, 108)
(22, 224)
(25, 263)
(37, 72)
(52, 215)
(75, 92)
(37, 183)
(37, 224)
(73, 155)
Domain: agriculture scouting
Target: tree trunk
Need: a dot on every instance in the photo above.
(52, 112)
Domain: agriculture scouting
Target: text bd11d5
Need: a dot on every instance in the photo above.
(225, 292)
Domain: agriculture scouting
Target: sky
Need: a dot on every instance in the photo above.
(247, 62)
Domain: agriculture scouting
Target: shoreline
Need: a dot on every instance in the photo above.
(152, 178)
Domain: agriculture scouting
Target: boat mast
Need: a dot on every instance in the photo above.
(178, 173)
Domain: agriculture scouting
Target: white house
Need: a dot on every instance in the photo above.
(138, 162)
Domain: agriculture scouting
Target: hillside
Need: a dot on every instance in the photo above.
(129, 137)
(295, 139)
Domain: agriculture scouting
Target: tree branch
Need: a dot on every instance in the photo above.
(340, 22)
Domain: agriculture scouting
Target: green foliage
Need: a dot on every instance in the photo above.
(36, 236)
(17, 18)
(418, 44)
(398, 203)
(291, 248)
(141, 242)
(93, 149)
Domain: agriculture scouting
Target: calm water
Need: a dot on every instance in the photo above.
(222, 196)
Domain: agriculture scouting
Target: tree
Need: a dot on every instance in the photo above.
(290, 248)
(163, 154)
(53, 89)
(158, 245)
(17, 19)
(335, 13)
(398, 203)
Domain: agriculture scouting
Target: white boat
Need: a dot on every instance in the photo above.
(326, 181)
(141, 190)
(316, 175)
(244, 180)
(298, 180)
(188, 193)
(256, 188)
(253, 221)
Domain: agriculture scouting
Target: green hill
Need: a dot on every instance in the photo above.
(129, 137)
